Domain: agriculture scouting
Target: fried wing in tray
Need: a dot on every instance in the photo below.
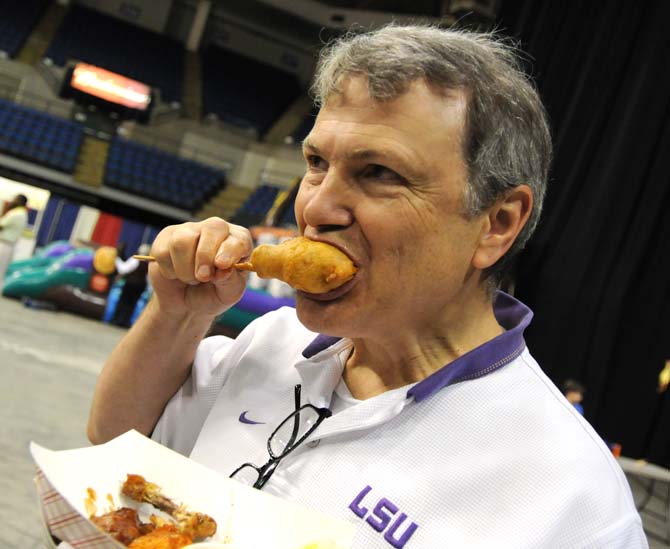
(197, 525)
(163, 537)
(125, 526)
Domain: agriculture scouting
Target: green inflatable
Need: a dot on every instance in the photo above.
(72, 268)
(43, 256)
(236, 318)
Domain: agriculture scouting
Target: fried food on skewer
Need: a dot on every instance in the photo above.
(308, 265)
(196, 525)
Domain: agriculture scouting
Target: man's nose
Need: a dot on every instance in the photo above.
(329, 205)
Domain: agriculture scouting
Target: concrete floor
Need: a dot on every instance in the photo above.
(50, 362)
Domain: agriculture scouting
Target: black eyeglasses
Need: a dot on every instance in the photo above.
(290, 434)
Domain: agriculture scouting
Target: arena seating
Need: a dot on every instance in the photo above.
(256, 206)
(304, 127)
(107, 42)
(17, 20)
(39, 137)
(243, 91)
(288, 216)
(161, 176)
(261, 200)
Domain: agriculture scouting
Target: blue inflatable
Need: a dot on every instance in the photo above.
(112, 300)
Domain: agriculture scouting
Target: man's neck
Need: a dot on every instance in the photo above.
(412, 353)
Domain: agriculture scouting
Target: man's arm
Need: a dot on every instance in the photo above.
(193, 282)
(147, 367)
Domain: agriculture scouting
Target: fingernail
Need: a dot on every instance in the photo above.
(204, 271)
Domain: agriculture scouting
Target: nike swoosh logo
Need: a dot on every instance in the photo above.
(245, 419)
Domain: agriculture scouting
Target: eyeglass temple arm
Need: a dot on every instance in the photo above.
(296, 417)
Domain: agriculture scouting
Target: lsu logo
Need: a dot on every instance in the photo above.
(384, 517)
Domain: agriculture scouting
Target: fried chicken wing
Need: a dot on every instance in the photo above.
(163, 537)
(122, 524)
(305, 264)
(196, 525)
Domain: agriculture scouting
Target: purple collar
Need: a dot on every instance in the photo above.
(510, 313)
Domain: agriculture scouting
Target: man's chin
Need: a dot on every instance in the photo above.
(322, 317)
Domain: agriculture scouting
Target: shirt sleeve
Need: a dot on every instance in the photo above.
(7, 219)
(628, 533)
(184, 415)
(215, 360)
(186, 411)
(125, 267)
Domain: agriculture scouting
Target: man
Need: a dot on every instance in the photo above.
(12, 225)
(574, 393)
(423, 417)
(134, 273)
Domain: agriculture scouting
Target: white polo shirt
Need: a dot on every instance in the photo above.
(486, 452)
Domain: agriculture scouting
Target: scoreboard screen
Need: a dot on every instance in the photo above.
(109, 86)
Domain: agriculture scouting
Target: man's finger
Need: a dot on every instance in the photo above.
(213, 232)
(183, 245)
(237, 247)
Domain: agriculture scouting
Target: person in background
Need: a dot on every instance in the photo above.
(134, 273)
(574, 392)
(12, 225)
(405, 401)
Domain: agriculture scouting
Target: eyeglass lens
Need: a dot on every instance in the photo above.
(292, 430)
(247, 473)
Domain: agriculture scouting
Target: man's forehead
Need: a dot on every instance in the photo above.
(354, 89)
(368, 126)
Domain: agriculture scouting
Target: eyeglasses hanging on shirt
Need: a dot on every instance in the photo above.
(290, 434)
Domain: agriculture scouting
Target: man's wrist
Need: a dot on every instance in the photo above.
(186, 321)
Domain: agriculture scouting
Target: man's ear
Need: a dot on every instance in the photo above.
(502, 225)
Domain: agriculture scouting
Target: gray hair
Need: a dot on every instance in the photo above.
(506, 138)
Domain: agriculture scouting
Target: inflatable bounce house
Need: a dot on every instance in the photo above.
(60, 276)
(83, 279)
(80, 280)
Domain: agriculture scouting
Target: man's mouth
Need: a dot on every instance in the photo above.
(332, 294)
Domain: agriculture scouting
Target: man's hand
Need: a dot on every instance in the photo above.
(193, 272)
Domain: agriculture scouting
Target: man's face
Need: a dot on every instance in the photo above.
(385, 183)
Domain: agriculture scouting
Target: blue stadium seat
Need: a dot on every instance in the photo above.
(258, 204)
(243, 91)
(160, 176)
(17, 20)
(40, 137)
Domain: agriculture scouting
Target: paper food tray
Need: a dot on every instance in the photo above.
(247, 518)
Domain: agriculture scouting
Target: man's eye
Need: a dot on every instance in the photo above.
(375, 171)
(314, 161)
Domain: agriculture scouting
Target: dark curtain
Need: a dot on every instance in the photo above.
(58, 220)
(66, 221)
(131, 234)
(597, 272)
(51, 211)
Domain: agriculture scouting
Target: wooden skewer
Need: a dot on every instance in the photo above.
(246, 266)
